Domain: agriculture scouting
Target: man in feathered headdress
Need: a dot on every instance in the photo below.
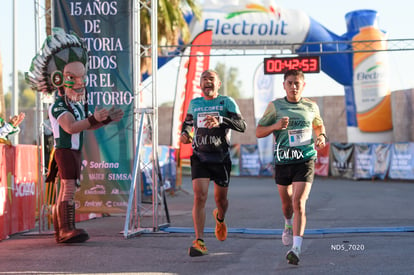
(61, 68)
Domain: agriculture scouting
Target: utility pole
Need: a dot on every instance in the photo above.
(15, 91)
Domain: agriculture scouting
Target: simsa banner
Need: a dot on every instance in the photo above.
(106, 27)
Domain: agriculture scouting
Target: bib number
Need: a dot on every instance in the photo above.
(300, 137)
(201, 116)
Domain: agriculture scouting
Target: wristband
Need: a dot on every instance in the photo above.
(107, 121)
(324, 135)
(92, 120)
(220, 120)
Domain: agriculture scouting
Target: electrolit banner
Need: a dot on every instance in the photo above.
(106, 26)
(249, 23)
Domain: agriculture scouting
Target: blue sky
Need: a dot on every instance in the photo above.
(394, 18)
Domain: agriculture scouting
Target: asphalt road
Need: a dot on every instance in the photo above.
(354, 227)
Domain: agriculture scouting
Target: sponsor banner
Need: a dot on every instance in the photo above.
(106, 27)
(167, 163)
(7, 225)
(382, 153)
(322, 161)
(18, 188)
(364, 161)
(248, 23)
(235, 159)
(402, 161)
(199, 62)
(168, 166)
(263, 92)
(350, 107)
(342, 160)
(24, 186)
(249, 160)
(178, 110)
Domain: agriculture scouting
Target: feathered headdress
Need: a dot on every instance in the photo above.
(60, 48)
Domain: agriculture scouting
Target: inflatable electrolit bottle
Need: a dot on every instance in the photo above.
(371, 76)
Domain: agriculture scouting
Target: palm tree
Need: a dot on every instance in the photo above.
(172, 26)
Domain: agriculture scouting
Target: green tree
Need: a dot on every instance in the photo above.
(172, 26)
(230, 84)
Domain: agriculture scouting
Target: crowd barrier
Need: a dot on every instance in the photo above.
(18, 188)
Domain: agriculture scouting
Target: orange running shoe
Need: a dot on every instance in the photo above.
(221, 228)
(197, 249)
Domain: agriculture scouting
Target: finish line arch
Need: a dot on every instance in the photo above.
(251, 25)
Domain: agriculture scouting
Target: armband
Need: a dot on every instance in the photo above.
(220, 120)
(92, 120)
(107, 121)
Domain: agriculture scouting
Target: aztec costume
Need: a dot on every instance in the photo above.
(46, 75)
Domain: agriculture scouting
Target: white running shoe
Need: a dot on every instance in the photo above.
(287, 235)
(292, 256)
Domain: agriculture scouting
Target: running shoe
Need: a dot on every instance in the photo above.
(287, 235)
(221, 228)
(293, 256)
(197, 249)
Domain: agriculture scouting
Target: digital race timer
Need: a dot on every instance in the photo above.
(279, 65)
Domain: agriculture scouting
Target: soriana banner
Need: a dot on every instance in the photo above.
(19, 177)
(106, 26)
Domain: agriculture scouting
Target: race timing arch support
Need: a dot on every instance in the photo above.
(256, 26)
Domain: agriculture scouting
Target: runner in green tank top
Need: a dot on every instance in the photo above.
(293, 121)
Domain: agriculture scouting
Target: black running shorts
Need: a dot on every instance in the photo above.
(287, 173)
(217, 172)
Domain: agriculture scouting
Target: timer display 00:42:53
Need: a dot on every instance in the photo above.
(279, 65)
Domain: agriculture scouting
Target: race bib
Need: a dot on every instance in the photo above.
(201, 116)
(300, 137)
